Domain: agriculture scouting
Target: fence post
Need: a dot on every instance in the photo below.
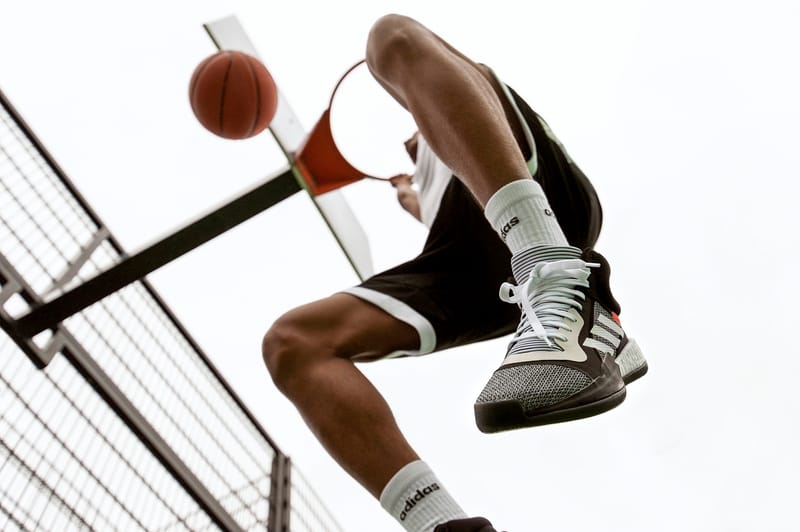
(280, 494)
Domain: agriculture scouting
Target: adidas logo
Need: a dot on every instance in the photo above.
(418, 496)
(507, 227)
(606, 334)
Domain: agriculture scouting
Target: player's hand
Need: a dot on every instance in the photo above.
(401, 181)
(406, 194)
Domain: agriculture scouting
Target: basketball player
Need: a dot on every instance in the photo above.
(494, 225)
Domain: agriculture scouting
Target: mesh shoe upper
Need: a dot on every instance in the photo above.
(534, 386)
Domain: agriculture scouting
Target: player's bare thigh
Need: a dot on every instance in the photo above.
(390, 29)
(339, 326)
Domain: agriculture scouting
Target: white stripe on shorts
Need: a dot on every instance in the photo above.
(404, 313)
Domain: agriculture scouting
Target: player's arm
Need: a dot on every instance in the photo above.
(406, 195)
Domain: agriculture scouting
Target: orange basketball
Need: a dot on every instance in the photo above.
(233, 95)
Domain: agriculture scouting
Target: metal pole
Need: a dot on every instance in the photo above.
(167, 249)
(280, 507)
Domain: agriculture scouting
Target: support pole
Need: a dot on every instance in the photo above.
(280, 507)
(169, 248)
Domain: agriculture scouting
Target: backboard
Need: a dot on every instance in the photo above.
(228, 34)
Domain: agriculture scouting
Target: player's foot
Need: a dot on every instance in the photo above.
(562, 363)
(474, 524)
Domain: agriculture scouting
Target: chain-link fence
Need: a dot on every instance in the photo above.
(115, 419)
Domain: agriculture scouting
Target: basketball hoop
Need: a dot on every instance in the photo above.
(319, 160)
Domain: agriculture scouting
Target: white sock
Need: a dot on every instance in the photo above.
(522, 216)
(416, 498)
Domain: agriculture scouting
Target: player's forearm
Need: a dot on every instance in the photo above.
(409, 200)
(406, 194)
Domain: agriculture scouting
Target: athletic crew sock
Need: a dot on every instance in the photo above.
(521, 214)
(524, 260)
(416, 498)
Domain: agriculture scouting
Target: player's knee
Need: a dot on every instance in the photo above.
(288, 352)
(393, 40)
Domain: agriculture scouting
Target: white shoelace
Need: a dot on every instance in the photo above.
(547, 297)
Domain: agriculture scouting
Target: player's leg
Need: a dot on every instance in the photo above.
(437, 84)
(310, 353)
(550, 373)
(459, 108)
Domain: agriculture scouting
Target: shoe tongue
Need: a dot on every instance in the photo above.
(523, 261)
(521, 264)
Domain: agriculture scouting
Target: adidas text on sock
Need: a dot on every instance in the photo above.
(521, 215)
(417, 499)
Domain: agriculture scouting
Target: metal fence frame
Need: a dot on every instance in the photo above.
(60, 340)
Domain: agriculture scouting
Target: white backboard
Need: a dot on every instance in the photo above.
(228, 34)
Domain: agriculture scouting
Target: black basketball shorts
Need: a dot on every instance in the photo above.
(449, 292)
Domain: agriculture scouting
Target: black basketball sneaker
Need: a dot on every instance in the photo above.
(570, 357)
(474, 524)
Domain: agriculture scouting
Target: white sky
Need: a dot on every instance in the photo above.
(683, 113)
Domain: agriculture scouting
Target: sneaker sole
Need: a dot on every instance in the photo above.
(631, 362)
(509, 415)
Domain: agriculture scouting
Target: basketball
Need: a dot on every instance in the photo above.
(233, 95)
